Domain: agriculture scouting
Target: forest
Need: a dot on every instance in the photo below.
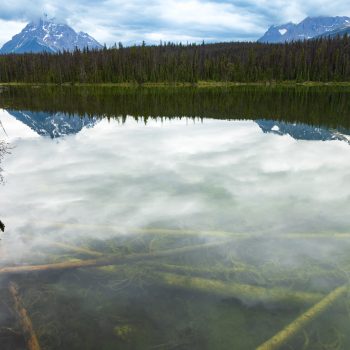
(319, 60)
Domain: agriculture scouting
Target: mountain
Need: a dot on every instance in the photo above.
(48, 36)
(337, 32)
(310, 27)
(303, 131)
(53, 125)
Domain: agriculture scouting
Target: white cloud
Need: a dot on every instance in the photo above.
(14, 129)
(200, 14)
(9, 28)
(136, 20)
(177, 173)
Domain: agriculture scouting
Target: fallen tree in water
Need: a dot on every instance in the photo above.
(289, 331)
(246, 292)
(249, 293)
(243, 291)
(23, 319)
(145, 266)
(197, 232)
(109, 260)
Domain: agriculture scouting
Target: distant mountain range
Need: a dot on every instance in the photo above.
(300, 131)
(53, 125)
(46, 35)
(337, 32)
(310, 27)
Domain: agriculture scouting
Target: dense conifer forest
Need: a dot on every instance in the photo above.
(322, 59)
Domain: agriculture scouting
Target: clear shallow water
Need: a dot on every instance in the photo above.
(278, 190)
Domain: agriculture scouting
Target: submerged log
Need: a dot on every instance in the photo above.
(142, 231)
(76, 249)
(289, 331)
(245, 292)
(240, 290)
(110, 260)
(245, 270)
(23, 318)
(201, 233)
(193, 270)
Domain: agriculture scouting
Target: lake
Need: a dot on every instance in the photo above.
(176, 218)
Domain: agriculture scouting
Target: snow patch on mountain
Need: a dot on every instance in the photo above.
(283, 31)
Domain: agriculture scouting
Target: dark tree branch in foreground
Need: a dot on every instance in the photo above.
(3, 151)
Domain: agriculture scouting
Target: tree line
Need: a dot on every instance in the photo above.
(318, 106)
(322, 59)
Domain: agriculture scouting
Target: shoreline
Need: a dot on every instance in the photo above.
(200, 84)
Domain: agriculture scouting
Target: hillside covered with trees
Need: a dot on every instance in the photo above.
(322, 59)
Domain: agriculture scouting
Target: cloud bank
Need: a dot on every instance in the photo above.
(175, 20)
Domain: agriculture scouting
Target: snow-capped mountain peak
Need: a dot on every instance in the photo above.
(47, 35)
(53, 125)
(310, 27)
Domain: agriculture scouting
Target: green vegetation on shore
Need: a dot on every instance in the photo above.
(199, 84)
(321, 60)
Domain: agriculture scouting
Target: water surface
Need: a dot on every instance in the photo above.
(120, 172)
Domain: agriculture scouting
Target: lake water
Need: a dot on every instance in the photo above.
(209, 218)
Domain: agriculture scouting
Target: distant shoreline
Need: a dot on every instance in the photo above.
(200, 84)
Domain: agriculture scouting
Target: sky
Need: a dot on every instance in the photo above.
(132, 21)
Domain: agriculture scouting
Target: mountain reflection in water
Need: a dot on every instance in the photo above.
(127, 173)
(303, 113)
